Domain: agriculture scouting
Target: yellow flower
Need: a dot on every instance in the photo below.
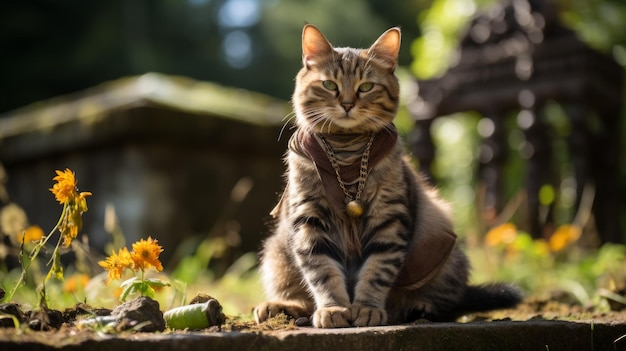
(81, 202)
(502, 234)
(145, 254)
(32, 233)
(70, 225)
(541, 248)
(69, 233)
(116, 264)
(563, 236)
(64, 189)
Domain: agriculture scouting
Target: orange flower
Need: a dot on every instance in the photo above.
(502, 234)
(117, 264)
(145, 254)
(75, 283)
(65, 191)
(563, 236)
(65, 187)
(32, 233)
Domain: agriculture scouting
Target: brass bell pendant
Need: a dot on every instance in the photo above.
(354, 209)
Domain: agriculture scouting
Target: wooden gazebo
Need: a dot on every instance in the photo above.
(513, 59)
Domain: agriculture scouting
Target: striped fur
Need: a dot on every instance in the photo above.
(309, 265)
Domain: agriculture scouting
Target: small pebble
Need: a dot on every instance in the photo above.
(303, 322)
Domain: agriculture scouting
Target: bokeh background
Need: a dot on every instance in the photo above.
(56, 47)
(175, 113)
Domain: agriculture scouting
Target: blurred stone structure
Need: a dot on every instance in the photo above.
(169, 156)
(513, 59)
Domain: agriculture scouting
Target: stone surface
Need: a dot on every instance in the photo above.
(499, 335)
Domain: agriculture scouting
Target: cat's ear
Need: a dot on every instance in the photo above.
(386, 47)
(314, 45)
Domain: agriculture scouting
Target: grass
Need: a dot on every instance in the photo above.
(582, 274)
(577, 273)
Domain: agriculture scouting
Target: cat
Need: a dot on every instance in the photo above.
(359, 238)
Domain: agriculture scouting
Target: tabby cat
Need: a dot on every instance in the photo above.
(359, 239)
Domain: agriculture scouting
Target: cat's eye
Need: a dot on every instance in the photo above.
(365, 87)
(330, 85)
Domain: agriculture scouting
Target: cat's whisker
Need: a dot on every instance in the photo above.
(381, 113)
(317, 119)
(328, 123)
(378, 120)
(288, 119)
(289, 116)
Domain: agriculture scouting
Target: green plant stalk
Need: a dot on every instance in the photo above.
(33, 255)
(592, 345)
(141, 278)
(56, 267)
(16, 321)
(617, 341)
(196, 316)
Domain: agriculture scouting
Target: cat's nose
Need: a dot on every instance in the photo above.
(347, 106)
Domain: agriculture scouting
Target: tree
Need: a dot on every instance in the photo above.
(57, 47)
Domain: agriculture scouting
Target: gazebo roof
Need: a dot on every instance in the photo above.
(150, 106)
(521, 46)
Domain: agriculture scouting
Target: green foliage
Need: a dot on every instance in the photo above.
(456, 142)
(546, 269)
(238, 289)
(441, 26)
(404, 121)
(599, 23)
(195, 264)
(144, 287)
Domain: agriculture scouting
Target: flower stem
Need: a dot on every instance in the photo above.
(143, 286)
(33, 256)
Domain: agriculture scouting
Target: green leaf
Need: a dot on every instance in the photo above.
(146, 290)
(131, 288)
(157, 283)
(57, 268)
(128, 281)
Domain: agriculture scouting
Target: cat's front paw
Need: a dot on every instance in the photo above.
(270, 309)
(364, 316)
(332, 317)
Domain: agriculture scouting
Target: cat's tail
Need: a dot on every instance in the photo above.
(491, 296)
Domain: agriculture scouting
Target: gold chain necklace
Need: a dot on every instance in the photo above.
(354, 208)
